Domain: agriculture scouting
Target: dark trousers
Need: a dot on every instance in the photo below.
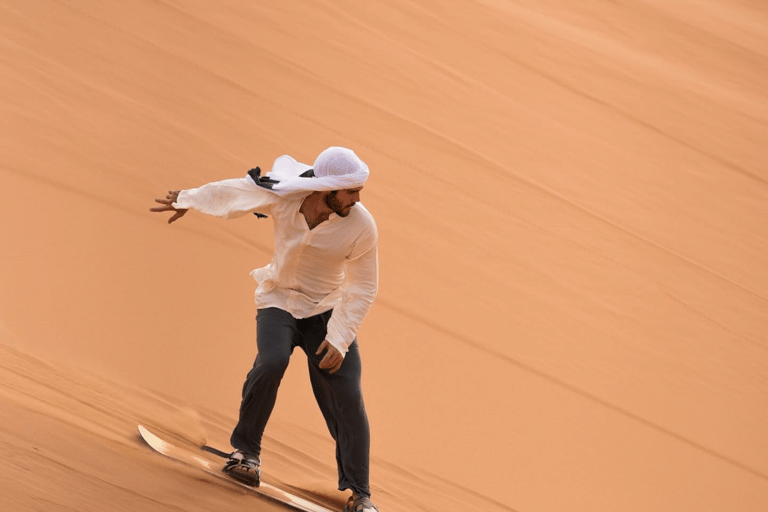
(339, 394)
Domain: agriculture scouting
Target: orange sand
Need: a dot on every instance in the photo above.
(572, 201)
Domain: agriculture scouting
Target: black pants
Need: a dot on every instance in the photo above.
(339, 394)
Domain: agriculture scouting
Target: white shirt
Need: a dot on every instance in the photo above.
(333, 266)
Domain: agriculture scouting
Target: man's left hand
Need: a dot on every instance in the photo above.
(332, 359)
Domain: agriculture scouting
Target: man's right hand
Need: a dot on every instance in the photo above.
(167, 203)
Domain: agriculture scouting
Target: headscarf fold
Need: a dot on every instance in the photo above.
(336, 168)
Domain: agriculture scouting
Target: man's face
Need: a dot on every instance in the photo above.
(342, 201)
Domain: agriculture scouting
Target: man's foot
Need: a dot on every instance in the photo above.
(360, 504)
(243, 468)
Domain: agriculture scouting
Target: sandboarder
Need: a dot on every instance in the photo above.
(314, 294)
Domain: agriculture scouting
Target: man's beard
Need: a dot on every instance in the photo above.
(335, 205)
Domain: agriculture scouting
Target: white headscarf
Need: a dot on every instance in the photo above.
(336, 168)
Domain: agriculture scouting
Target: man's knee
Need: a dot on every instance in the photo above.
(272, 366)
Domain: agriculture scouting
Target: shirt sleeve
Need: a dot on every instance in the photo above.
(358, 292)
(228, 198)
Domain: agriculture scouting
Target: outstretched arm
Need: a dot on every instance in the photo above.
(167, 203)
(227, 199)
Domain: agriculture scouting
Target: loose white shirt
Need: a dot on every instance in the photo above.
(332, 266)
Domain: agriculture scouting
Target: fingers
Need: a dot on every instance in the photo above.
(177, 215)
(331, 363)
(167, 206)
(171, 197)
(336, 367)
(332, 359)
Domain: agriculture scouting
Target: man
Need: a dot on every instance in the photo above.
(314, 294)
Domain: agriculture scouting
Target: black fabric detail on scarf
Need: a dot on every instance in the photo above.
(265, 182)
(262, 181)
(269, 183)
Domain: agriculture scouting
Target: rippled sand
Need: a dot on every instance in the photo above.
(572, 201)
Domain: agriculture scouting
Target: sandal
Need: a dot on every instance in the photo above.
(360, 504)
(243, 468)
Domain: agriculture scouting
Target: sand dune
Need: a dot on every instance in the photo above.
(572, 202)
